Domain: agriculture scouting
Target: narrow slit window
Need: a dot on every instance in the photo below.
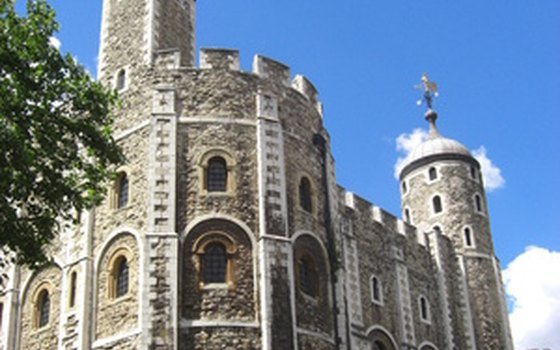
(424, 309)
(468, 237)
(122, 194)
(305, 194)
(121, 80)
(473, 172)
(478, 203)
(437, 206)
(73, 278)
(376, 290)
(217, 174)
(404, 187)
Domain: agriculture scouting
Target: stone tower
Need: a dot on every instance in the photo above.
(442, 194)
(134, 31)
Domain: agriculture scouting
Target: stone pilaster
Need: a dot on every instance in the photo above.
(274, 248)
(407, 335)
(434, 238)
(160, 276)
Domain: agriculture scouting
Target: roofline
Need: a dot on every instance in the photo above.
(435, 157)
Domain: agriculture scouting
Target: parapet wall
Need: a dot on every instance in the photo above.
(380, 216)
(273, 71)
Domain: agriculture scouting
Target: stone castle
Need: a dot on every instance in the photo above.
(226, 229)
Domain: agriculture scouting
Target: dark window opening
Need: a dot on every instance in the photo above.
(377, 345)
(214, 264)
(121, 79)
(44, 309)
(424, 308)
(407, 215)
(473, 172)
(436, 201)
(305, 194)
(432, 173)
(73, 278)
(468, 238)
(307, 277)
(404, 187)
(122, 199)
(375, 289)
(216, 176)
(478, 203)
(122, 272)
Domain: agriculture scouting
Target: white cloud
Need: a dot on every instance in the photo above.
(405, 144)
(54, 42)
(491, 174)
(532, 282)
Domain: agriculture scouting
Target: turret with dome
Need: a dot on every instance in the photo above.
(442, 193)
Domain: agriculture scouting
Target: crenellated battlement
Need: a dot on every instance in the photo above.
(381, 216)
(218, 58)
(266, 68)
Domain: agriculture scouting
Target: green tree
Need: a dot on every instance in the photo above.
(56, 147)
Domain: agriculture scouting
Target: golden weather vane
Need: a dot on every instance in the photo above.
(429, 89)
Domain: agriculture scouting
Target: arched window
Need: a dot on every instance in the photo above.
(216, 175)
(214, 264)
(424, 309)
(436, 203)
(120, 277)
(377, 345)
(477, 203)
(72, 298)
(468, 237)
(376, 290)
(307, 276)
(305, 194)
(121, 80)
(122, 190)
(473, 172)
(432, 173)
(43, 309)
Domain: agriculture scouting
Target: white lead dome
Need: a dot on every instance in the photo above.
(435, 145)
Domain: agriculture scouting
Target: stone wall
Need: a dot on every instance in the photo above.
(31, 336)
(117, 315)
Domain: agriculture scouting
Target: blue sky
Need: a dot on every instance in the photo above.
(497, 64)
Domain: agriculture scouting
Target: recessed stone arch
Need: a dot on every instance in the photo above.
(33, 334)
(232, 299)
(310, 260)
(381, 339)
(113, 313)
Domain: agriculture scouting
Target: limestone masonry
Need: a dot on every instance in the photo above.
(226, 229)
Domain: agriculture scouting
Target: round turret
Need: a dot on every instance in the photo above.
(442, 189)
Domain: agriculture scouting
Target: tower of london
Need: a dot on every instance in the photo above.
(225, 228)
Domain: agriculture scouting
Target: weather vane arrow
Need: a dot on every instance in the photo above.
(429, 89)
